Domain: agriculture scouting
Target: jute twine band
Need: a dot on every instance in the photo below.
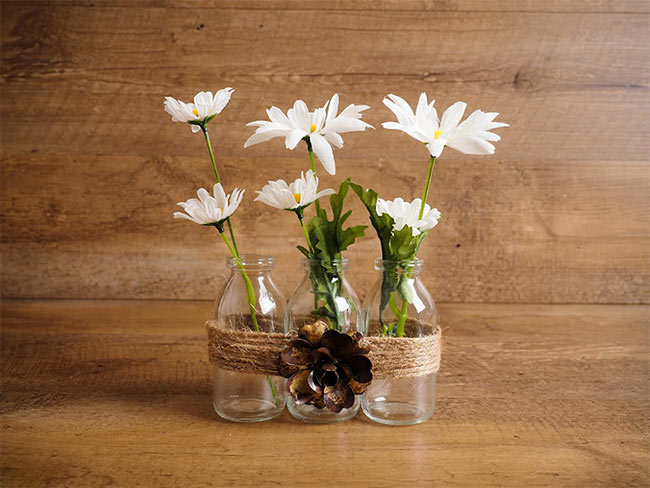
(404, 357)
(245, 351)
(258, 352)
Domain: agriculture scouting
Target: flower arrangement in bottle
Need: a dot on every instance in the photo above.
(325, 238)
(324, 296)
(399, 305)
(237, 396)
(402, 225)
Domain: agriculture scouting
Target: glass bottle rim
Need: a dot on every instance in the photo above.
(342, 263)
(251, 262)
(415, 263)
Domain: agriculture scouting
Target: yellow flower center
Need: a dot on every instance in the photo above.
(297, 196)
(312, 128)
(437, 134)
(195, 112)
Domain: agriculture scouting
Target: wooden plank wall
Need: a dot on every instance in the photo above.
(92, 167)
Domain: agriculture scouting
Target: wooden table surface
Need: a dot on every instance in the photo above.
(118, 393)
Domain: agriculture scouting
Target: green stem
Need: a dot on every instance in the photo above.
(232, 235)
(312, 165)
(402, 315)
(304, 231)
(401, 322)
(250, 294)
(214, 163)
(393, 305)
(276, 400)
(311, 251)
(432, 163)
(332, 291)
(216, 177)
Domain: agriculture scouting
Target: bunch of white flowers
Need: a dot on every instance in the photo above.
(321, 129)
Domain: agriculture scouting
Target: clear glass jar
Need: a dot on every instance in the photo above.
(245, 397)
(323, 294)
(399, 305)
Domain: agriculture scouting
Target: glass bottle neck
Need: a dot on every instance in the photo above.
(412, 267)
(252, 264)
(338, 266)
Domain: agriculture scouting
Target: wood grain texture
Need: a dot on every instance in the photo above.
(118, 394)
(92, 167)
(525, 240)
(620, 6)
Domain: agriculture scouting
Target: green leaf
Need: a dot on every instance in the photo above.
(420, 238)
(383, 225)
(388, 286)
(406, 290)
(338, 199)
(396, 245)
(322, 239)
(403, 245)
(328, 237)
(349, 235)
(305, 251)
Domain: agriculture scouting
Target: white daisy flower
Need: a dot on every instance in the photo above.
(407, 213)
(205, 107)
(294, 196)
(321, 127)
(470, 136)
(208, 210)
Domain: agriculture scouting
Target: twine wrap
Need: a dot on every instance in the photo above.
(404, 357)
(258, 352)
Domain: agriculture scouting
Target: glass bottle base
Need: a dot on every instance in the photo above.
(396, 413)
(400, 401)
(244, 397)
(247, 410)
(313, 415)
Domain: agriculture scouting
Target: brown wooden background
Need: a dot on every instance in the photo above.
(92, 166)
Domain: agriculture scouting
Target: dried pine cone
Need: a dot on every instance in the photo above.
(325, 367)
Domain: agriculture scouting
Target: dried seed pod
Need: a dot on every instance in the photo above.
(299, 389)
(297, 353)
(326, 368)
(313, 332)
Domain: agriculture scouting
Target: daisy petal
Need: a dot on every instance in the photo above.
(333, 107)
(334, 139)
(451, 117)
(323, 150)
(262, 137)
(468, 144)
(294, 137)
